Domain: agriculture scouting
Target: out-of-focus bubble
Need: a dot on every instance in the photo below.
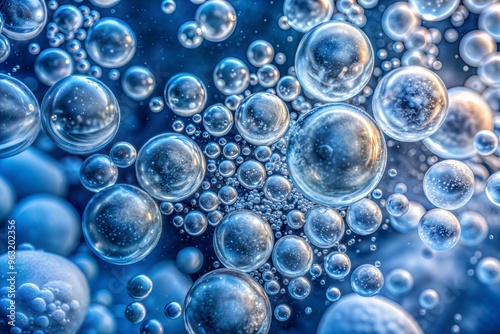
(410, 103)
(104, 3)
(98, 172)
(138, 82)
(453, 140)
(299, 288)
(475, 45)
(277, 188)
(68, 18)
(111, 42)
(52, 65)
(190, 35)
(304, 14)
(251, 174)
(122, 224)
(488, 20)
(409, 220)
(123, 154)
(324, 226)
(439, 229)
(170, 167)
(189, 260)
(218, 120)
(485, 142)
(367, 280)
(185, 94)
(428, 299)
(449, 184)
(488, 271)
(493, 188)
(211, 303)
(8, 197)
(399, 282)
(489, 69)
(397, 205)
(364, 217)
(80, 114)
(262, 119)
(99, 319)
(260, 53)
(288, 88)
(474, 228)
(399, 20)
(23, 19)
(4, 48)
(217, 20)
(337, 265)
(476, 6)
(139, 286)
(231, 76)
(168, 6)
(434, 10)
(336, 154)
(334, 76)
(19, 116)
(292, 256)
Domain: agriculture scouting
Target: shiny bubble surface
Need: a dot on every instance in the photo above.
(364, 217)
(218, 120)
(292, 256)
(439, 229)
(185, 94)
(217, 20)
(23, 19)
(434, 10)
(123, 154)
(367, 280)
(493, 188)
(324, 226)
(337, 265)
(305, 14)
(52, 65)
(98, 172)
(231, 76)
(138, 82)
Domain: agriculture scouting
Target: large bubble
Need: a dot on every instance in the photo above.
(334, 61)
(336, 154)
(80, 114)
(170, 167)
(23, 19)
(227, 301)
(304, 14)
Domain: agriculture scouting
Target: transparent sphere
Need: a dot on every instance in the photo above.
(334, 76)
(123, 154)
(428, 299)
(399, 21)
(138, 83)
(324, 226)
(217, 20)
(296, 219)
(19, 116)
(367, 280)
(185, 94)
(288, 88)
(218, 120)
(243, 240)
(475, 45)
(333, 294)
(98, 172)
(122, 224)
(139, 286)
(208, 201)
(364, 217)
(231, 76)
(397, 205)
(52, 65)
(488, 271)
(337, 265)
(485, 142)
(409, 221)
(104, 3)
(135, 312)
(189, 260)
(439, 229)
(190, 35)
(268, 75)
(170, 167)
(68, 18)
(399, 282)
(152, 326)
(299, 288)
(449, 184)
(302, 15)
(195, 223)
(251, 174)
(434, 10)
(282, 312)
(277, 188)
(262, 118)
(488, 20)
(336, 154)
(227, 301)
(410, 103)
(173, 310)
(4, 47)
(23, 19)
(260, 53)
(453, 140)
(227, 195)
(489, 69)
(292, 256)
(80, 114)
(474, 228)
(493, 188)
(111, 42)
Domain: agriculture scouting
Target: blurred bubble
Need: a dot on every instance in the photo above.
(488, 271)
(475, 45)
(485, 142)
(428, 299)
(474, 228)
(488, 20)
(399, 282)
(399, 20)
(4, 48)
(434, 10)
(189, 260)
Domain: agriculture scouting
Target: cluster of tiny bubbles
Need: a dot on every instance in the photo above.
(23, 19)
(123, 154)
(80, 114)
(434, 10)
(122, 224)
(453, 140)
(428, 299)
(189, 260)
(288, 88)
(98, 172)
(410, 103)
(268, 75)
(19, 116)
(168, 6)
(217, 120)
(190, 35)
(488, 20)
(195, 223)
(52, 65)
(212, 300)
(251, 174)
(485, 142)
(399, 282)
(231, 76)
(337, 265)
(324, 226)
(399, 20)
(262, 118)
(292, 256)
(475, 45)
(449, 184)
(334, 76)
(111, 42)
(367, 280)
(302, 15)
(260, 53)
(135, 312)
(277, 188)
(299, 288)
(439, 229)
(397, 205)
(138, 83)
(474, 228)
(333, 294)
(336, 154)
(185, 94)
(364, 217)
(488, 271)
(282, 312)
(139, 286)
(217, 20)
(493, 188)
(488, 70)
(173, 310)
(170, 167)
